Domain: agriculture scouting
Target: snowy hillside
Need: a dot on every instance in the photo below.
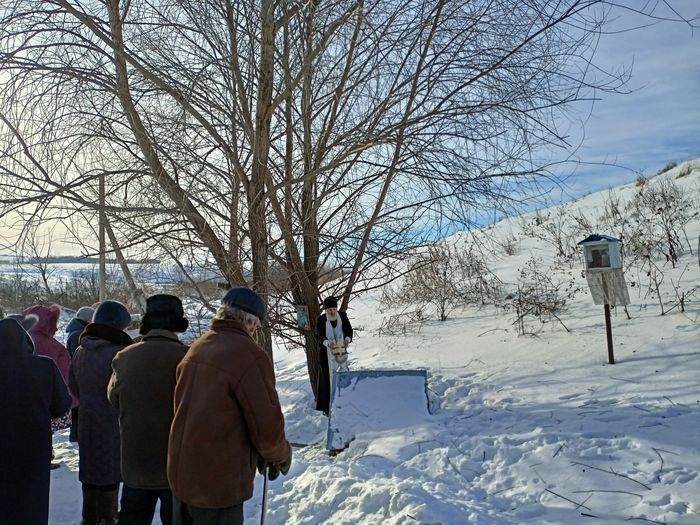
(529, 423)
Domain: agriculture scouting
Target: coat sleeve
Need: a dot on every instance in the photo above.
(113, 385)
(60, 396)
(63, 360)
(72, 341)
(347, 327)
(262, 412)
(72, 380)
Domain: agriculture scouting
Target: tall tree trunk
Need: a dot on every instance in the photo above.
(257, 220)
(158, 172)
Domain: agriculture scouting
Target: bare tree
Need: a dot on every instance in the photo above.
(296, 136)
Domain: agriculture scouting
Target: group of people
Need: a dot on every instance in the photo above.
(186, 426)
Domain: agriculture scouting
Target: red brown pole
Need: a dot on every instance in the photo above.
(608, 333)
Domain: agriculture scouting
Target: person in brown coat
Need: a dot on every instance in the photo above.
(141, 388)
(228, 418)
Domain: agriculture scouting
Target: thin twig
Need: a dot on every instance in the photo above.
(613, 491)
(647, 520)
(578, 504)
(625, 380)
(584, 501)
(661, 467)
(492, 330)
(611, 472)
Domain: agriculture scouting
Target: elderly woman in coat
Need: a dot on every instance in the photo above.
(33, 392)
(42, 334)
(99, 422)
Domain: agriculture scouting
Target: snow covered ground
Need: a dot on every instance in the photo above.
(529, 429)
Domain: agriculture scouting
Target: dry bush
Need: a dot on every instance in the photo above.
(540, 295)
(685, 171)
(667, 167)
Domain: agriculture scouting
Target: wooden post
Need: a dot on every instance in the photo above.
(103, 244)
(608, 333)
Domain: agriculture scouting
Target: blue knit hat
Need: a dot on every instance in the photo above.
(112, 313)
(247, 300)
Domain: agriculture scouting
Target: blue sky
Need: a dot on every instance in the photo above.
(659, 122)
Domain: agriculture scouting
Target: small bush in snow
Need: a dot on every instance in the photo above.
(441, 279)
(540, 295)
(685, 171)
(658, 215)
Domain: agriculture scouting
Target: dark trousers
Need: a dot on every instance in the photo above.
(184, 514)
(100, 504)
(139, 505)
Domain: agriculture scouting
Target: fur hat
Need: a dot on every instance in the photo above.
(85, 313)
(330, 302)
(247, 300)
(164, 312)
(112, 313)
(26, 321)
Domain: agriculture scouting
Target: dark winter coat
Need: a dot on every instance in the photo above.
(44, 342)
(227, 415)
(33, 392)
(142, 388)
(323, 389)
(73, 331)
(99, 421)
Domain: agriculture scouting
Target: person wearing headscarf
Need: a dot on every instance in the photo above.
(33, 392)
(45, 343)
(98, 468)
(334, 333)
(141, 388)
(77, 324)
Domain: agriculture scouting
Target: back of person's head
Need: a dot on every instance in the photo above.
(242, 304)
(26, 321)
(15, 338)
(85, 314)
(163, 312)
(47, 318)
(112, 313)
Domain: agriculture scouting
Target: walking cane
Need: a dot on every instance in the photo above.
(263, 516)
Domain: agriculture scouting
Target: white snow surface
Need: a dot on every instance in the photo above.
(536, 429)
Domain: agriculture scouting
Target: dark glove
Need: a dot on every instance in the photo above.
(262, 465)
(285, 464)
(272, 472)
(274, 469)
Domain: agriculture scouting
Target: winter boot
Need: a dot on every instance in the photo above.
(107, 507)
(89, 506)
